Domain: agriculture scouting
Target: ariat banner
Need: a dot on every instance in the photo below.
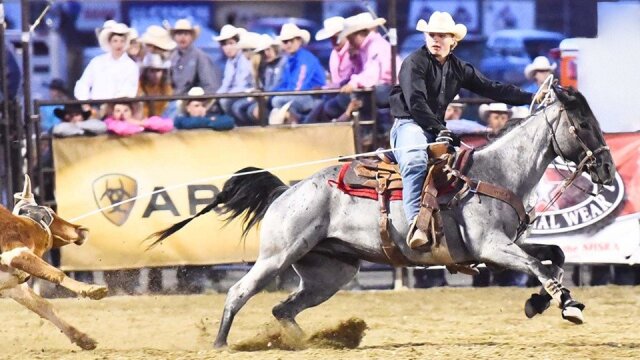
(158, 179)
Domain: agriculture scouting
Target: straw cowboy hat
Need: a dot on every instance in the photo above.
(229, 31)
(71, 109)
(540, 63)
(359, 22)
(442, 22)
(331, 27)
(485, 109)
(290, 31)
(159, 37)
(249, 40)
(264, 42)
(115, 28)
(185, 25)
(155, 61)
(195, 91)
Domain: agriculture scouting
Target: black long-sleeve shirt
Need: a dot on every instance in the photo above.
(426, 88)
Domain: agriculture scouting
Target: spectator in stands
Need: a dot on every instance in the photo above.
(301, 72)
(238, 76)
(135, 49)
(113, 73)
(342, 61)
(537, 72)
(76, 122)
(57, 92)
(495, 115)
(374, 67)
(190, 66)
(123, 122)
(157, 40)
(269, 73)
(458, 125)
(196, 117)
(154, 81)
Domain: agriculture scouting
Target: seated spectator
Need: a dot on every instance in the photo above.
(122, 121)
(238, 76)
(458, 125)
(57, 92)
(135, 49)
(76, 122)
(495, 115)
(196, 117)
(112, 73)
(154, 81)
(190, 66)
(537, 72)
(301, 72)
(342, 61)
(157, 40)
(374, 68)
(270, 68)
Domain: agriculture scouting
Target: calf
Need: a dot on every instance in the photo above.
(25, 235)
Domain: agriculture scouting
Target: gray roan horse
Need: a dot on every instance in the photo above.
(324, 233)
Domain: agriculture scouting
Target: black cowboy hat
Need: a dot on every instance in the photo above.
(71, 109)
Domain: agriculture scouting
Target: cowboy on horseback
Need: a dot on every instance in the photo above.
(429, 80)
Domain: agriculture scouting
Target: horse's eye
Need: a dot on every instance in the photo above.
(584, 125)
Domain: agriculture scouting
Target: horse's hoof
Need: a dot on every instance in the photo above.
(573, 314)
(220, 344)
(85, 342)
(535, 305)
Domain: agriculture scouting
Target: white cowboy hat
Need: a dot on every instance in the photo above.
(331, 27)
(115, 28)
(484, 109)
(540, 63)
(155, 61)
(278, 115)
(442, 22)
(106, 24)
(264, 42)
(359, 22)
(249, 40)
(229, 31)
(185, 25)
(194, 91)
(159, 37)
(290, 31)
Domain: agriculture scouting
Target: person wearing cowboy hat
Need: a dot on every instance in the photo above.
(302, 71)
(154, 81)
(195, 114)
(374, 63)
(57, 92)
(191, 66)
(537, 72)
(458, 125)
(341, 65)
(495, 115)
(238, 75)
(429, 79)
(112, 73)
(76, 121)
(156, 40)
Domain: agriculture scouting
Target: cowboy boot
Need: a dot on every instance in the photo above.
(416, 238)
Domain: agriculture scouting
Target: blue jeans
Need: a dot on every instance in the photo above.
(410, 142)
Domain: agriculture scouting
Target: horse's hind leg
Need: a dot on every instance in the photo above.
(502, 252)
(321, 276)
(538, 303)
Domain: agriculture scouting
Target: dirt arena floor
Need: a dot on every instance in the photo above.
(445, 323)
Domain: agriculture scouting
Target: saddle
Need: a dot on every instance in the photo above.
(384, 177)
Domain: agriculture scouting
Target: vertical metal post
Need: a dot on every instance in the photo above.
(393, 39)
(262, 110)
(26, 76)
(5, 119)
(39, 170)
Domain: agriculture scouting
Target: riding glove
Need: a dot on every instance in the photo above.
(448, 136)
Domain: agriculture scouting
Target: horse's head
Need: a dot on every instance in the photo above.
(62, 231)
(578, 136)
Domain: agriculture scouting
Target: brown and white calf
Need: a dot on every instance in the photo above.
(25, 235)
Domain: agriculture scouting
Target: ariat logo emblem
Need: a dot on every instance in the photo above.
(114, 188)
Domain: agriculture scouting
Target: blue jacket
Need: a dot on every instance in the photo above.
(222, 122)
(301, 72)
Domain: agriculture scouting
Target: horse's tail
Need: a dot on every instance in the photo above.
(251, 194)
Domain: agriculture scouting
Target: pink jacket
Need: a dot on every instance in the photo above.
(375, 57)
(123, 128)
(340, 65)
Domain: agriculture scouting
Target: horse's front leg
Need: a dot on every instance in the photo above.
(25, 296)
(22, 258)
(501, 251)
(538, 303)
